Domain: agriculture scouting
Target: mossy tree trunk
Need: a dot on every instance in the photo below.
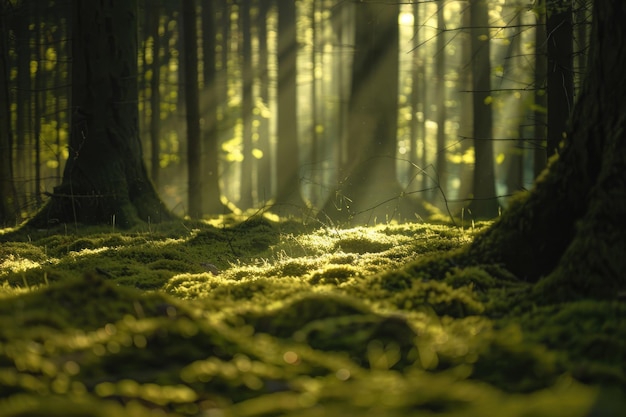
(105, 180)
(568, 233)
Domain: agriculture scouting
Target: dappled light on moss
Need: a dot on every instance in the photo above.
(265, 317)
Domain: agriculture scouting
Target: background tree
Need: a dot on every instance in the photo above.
(210, 129)
(540, 105)
(568, 225)
(560, 75)
(105, 179)
(368, 188)
(154, 25)
(484, 203)
(248, 171)
(8, 195)
(288, 193)
(192, 105)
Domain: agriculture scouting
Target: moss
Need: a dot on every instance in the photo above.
(334, 274)
(286, 321)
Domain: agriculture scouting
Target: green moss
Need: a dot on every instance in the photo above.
(264, 317)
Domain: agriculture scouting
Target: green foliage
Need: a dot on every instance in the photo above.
(256, 317)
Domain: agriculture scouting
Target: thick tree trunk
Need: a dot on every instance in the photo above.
(105, 180)
(568, 233)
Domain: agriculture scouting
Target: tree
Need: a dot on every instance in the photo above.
(288, 195)
(540, 103)
(8, 196)
(246, 200)
(560, 76)
(369, 190)
(192, 106)
(567, 234)
(264, 167)
(484, 203)
(440, 99)
(210, 136)
(154, 23)
(105, 180)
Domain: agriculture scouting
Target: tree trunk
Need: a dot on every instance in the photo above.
(210, 134)
(540, 107)
(441, 168)
(370, 191)
(105, 180)
(289, 198)
(484, 203)
(8, 196)
(568, 232)
(264, 168)
(246, 188)
(560, 70)
(155, 95)
(192, 106)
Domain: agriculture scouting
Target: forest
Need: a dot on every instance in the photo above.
(312, 208)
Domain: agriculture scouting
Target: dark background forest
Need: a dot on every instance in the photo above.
(344, 111)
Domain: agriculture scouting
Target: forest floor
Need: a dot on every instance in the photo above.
(257, 317)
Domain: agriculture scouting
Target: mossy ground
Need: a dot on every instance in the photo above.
(255, 317)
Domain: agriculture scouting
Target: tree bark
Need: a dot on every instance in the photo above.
(560, 76)
(568, 233)
(288, 194)
(210, 99)
(192, 106)
(246, 188)
(105, 180)
(154, 21)
(484, 203)
(540, 107)
(8, 195)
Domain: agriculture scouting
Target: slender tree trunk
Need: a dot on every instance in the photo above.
(568, 233)
(288, 199)
(210, 134)
(264, 169)
(484, 203)
(247, 165)
(440, 62)
(155, 94)
(418, 94)
(540, 107)
(105, 180)
(194, 151)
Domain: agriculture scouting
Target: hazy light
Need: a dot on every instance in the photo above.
(405, 19)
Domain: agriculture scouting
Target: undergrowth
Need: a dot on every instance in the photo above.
(254, 317)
